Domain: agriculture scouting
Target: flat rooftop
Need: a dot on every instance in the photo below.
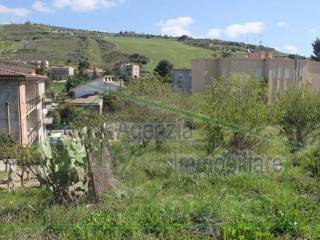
(90, 100)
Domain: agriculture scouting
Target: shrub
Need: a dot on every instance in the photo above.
(297, 112)
(236, 102)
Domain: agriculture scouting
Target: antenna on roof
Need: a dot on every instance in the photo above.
(260, 39)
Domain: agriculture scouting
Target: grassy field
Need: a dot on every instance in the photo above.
(25, 42)
(157, 49)
(156, 200)
(56, 87)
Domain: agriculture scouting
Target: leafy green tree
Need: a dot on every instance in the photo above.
(316, 50)
(71, 83)
(183, 38)
(237, 101)
(69, 114)
(83, 65)
(150, 89)
(164, 68)
(23, 156)
(140, 59)
(8, 149)
(297, 112)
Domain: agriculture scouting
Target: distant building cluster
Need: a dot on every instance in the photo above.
(280, 74)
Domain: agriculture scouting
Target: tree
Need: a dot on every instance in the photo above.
(41, 69)
(83, 65)
(140, 59)
(297, 112)
(71, 83)
(21, 156)
(149, 122)
(9, 145)
(183, 38)
(238, 102)
(164, 68)
(316, 50)
(69, 114)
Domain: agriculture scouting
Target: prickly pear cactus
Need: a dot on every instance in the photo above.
(65, 170)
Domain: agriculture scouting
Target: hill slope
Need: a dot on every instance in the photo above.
(65, 45)
(157, 49)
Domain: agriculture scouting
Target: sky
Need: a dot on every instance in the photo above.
(287, 25)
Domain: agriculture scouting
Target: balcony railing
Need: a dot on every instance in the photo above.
(33, 133)
(32, 104)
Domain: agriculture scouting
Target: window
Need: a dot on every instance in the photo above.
(180, 77)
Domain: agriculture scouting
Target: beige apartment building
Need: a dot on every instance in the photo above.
(280, 73)
(21, 101)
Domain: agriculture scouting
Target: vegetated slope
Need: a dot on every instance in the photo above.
(65, 45)
(58, 45)
(61, 45)
(157, 49)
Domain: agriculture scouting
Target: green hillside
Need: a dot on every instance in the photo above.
(58, 45)
(64, 45)
(157, 49)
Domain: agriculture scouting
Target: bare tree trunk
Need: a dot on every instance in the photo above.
(21, 176)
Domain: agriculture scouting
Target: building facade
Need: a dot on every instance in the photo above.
(181, 80)
(61, 72)
(131, 70)
(21, 100)
(280, 74)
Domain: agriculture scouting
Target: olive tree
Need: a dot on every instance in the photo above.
(235, 105)
(143, 104)
(297, 111)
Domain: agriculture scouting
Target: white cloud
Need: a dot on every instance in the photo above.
(86, 5)
(214, 32)
(176, 26)
(17, 12)
(236, 30)
(40, 6)
(291, 49)
(313, 30)
(282, 24)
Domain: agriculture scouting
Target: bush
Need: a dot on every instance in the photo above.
(69, 114)
(235, 103)
(297, 112)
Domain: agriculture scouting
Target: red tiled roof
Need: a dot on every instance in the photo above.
(17, 66)
(6, 72)
(11, 73)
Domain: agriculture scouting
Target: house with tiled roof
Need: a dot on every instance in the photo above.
(21, 102)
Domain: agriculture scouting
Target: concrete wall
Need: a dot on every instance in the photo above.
(280, 73)
(228, 66)
(203, 72)
(313, 74)
(9, 93)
